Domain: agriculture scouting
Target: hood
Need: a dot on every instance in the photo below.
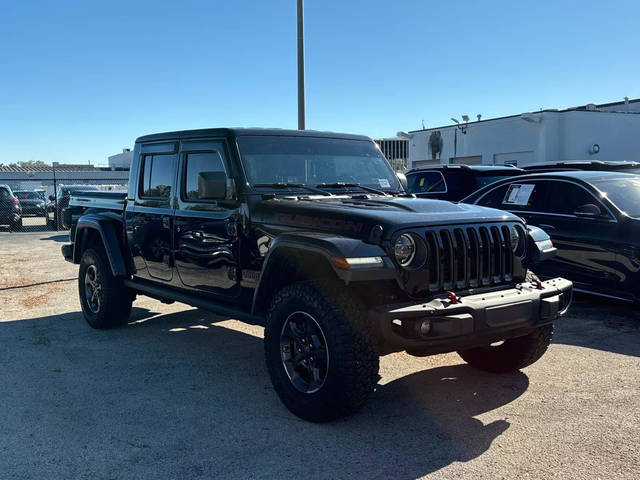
(355, 217)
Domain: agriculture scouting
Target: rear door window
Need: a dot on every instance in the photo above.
(518, 197)
(427, 182)
(158, 173)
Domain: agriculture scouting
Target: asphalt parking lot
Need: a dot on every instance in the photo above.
(181, 393)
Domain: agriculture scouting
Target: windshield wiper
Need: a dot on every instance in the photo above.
(351, 185)
(293, 185)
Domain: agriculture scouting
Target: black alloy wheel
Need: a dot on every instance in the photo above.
(92, 289)
(303, 348)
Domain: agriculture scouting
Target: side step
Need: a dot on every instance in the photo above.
(164, 294)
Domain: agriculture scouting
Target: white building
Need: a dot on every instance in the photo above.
(594, 132)
(121, 160)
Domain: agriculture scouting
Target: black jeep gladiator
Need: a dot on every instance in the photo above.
(312, 235)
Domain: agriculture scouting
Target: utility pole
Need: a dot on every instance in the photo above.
(55, 197)
(301, 113)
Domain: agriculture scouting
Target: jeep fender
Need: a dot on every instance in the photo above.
(539, 246)
(107, 227)
(315, 250)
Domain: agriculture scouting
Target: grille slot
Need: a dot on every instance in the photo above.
(468, 257)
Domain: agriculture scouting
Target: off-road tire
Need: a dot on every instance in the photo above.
(353, 364)
(115, 306)
(514, 354)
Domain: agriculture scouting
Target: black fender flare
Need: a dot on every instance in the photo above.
(539, 246)
(105, 226)
(321, 246)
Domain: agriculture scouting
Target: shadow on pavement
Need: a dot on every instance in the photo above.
(181, 395)
(602, 324)
(58, 238)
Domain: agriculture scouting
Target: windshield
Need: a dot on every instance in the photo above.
(623, 192)
(27, 195)
(313, 161)
(482, 180)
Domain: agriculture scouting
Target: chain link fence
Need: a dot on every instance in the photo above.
(33, 200)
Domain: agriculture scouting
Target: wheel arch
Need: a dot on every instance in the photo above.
(295, 257)
(104, 231)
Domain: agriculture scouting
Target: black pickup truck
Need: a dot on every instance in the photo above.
(312, 235)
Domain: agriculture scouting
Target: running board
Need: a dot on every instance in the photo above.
(163, 293)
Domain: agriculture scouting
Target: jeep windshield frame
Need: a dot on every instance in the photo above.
(308, 161)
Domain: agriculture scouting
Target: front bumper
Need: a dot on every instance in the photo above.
(473, 319)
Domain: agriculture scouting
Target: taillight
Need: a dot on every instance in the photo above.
(15, 200)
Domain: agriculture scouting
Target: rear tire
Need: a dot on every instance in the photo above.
(335, 377)
(514, 354)
(106, 302)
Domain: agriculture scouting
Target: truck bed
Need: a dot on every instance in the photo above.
(81, 202)
(112, 200)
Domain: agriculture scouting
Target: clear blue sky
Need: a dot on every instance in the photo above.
(79, 80)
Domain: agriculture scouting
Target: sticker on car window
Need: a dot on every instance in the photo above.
(384, 183)
(518, 194)
(422, 182)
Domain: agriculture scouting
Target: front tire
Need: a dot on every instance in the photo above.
(513, 354)
(320, 354)
(106, 302)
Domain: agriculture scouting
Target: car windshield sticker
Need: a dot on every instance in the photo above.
(384, 183)
(422, 181)
(518, 194)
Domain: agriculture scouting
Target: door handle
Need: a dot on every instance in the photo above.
(166, 222)
(545, 226)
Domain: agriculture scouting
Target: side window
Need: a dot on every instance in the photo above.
(494, 198)
(197, 163)
(427, 182)
(566, 197)
(517, 197)
(157, 176)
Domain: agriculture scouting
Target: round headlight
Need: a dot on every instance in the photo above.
(404, 249)
(516, 238)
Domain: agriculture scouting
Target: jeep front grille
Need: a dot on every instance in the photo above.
(468, 256)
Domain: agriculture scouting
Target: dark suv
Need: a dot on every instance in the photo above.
(589, 165)
(454, 182)
(311, 235)
(10, 209)
(31, 203)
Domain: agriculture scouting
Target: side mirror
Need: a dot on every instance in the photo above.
(588, 211)
(212, 185)
(402, 178)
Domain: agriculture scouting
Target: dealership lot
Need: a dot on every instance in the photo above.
(182, 393)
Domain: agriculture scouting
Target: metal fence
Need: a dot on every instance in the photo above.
(33, 200)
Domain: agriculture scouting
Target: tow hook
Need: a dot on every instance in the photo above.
(453, 298)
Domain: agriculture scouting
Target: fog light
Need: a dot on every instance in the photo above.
(423, 327)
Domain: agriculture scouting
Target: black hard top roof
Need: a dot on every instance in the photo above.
(478, 168)
(584, 175)
(580, 163)
(236, 132)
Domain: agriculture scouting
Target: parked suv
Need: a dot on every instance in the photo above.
(311, 235)
(10, 210)
(454, 182)
(31, 203)
(599, 165)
